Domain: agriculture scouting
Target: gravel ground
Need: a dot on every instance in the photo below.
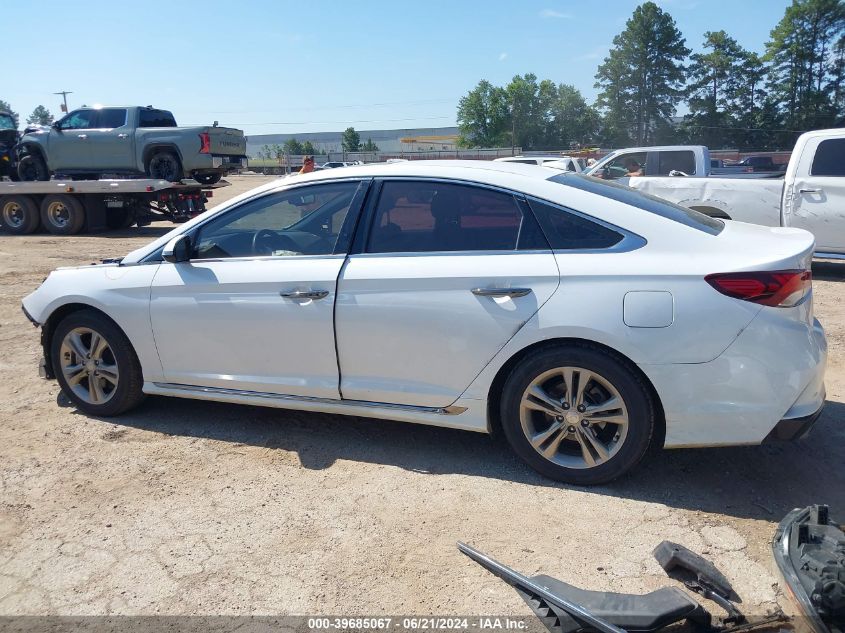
(188, 507)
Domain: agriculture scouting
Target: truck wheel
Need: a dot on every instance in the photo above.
(62, 214)
(164, 165)
(208, 179)
(32, 167)
(120, 218)
(18, 214)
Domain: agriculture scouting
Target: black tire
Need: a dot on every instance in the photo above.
(62, 214)
(120, 218)
(19, 215)
(127, 393)
(32, 168)
(611, 370)
(164, 165)
(208, 179)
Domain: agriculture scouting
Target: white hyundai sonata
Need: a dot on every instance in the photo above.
(583, 319)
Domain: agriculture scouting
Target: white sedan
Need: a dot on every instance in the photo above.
(584, 320)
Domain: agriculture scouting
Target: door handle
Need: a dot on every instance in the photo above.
(82, 136)
(501, 292)
(304, 294)
(809, 191)
(122, 136)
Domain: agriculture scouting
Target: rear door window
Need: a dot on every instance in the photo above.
(830, 158)
(110, 118)
(421, 216)
(668, 162)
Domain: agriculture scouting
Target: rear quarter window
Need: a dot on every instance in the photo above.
(642, 201)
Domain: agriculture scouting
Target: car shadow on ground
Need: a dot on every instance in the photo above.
(829, 270)
(136, 231)
(762, 482)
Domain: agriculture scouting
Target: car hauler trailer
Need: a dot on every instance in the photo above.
(66, 207)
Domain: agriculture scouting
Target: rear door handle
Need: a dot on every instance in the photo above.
(122, 136)
(82, 136)
(501, 292)
(304, 294)
(809, 191)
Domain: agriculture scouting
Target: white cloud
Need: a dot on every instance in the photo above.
(551, 13)
(503, 56)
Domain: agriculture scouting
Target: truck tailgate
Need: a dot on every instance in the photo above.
(226, 141)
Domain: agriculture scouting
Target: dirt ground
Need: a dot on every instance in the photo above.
(188, 507)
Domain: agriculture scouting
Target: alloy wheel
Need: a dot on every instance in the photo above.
(89, 365)
(574, 417)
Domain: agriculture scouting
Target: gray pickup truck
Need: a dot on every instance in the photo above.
(129, 140)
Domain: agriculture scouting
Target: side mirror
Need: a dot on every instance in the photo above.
(57, 125)
(177, 250)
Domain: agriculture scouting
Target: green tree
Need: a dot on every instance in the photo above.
(641, 80)
(712, 76)
(570, 121)
(4, 105)
(293, 147)
(484, 117)
(308, 148)
(369, 146)
(40, 116)
(278, 153)
(805, 79)
(266, 152)
(351, 140)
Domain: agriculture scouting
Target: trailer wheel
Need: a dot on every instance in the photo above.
(18, 214)
(32, 167)
(62, 214)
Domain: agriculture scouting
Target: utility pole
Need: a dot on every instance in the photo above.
(64, 94)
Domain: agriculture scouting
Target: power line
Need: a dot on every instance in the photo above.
(342, 107)
(432, 118)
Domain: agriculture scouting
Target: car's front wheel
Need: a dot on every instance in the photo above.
(577, 414)
(95, 364)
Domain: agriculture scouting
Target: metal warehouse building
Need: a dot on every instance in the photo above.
(407, 139)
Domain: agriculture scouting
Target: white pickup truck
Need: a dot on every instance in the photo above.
(810, 195)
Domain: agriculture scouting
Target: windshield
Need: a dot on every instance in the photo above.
(644, 201)
(7, 122)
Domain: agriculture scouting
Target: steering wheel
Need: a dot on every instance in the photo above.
(265, 241)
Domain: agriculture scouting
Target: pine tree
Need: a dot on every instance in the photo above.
(641, 80)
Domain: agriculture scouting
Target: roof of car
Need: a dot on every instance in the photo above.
(455, 168)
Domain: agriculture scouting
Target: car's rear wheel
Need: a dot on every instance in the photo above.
(18, 214)
(62, 214)
(164, 165)
(95, 364)
(577, 414)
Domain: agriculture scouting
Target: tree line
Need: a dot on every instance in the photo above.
(40, 115)
(734, 97)
(351, 142)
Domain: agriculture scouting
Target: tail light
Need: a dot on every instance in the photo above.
(205, 143)
(779, 288)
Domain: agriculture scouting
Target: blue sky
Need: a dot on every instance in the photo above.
(272, 66)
